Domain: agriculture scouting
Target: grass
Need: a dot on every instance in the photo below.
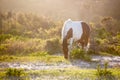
(52, 74)
(33, 58)
(13, 74)
(78, 53)
(104, 74)
(105, 54)
(65, 74)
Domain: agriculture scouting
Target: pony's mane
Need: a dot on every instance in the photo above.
(67, 21)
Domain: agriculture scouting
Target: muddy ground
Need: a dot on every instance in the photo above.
(112, 62)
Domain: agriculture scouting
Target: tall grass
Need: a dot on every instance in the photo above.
(78, 53)
(104, 74)
(15, 74)
(22, 33)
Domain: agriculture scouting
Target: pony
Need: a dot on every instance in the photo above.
(77, 32)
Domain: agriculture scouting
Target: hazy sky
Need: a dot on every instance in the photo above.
(75, 9)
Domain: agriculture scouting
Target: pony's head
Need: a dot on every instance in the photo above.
(65, 48)
(65, 44)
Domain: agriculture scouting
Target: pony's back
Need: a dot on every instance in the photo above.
(75, 26)
(65, 28)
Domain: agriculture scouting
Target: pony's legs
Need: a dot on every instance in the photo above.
(82, 44)
(70, 46)
(65, 48)
(71, 42)
(87, 45)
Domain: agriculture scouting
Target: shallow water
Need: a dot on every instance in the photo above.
(112, 62)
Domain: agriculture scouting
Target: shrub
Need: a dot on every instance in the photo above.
(39, 54)
(3, 48)
(15, 74)
(112, 49)
(53, 46)
(80, 54)
(3, 37)
(7, 58)
(21, 46)
(104, 74)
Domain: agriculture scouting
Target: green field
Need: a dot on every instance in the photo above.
(31, 45)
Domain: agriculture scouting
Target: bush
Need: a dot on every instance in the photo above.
(80, 54)
(53, 46)
(23, 33)
(104, 74)
(3, 37)
(15, 74)
(112, 49)
(21, 46)
(3, 48)
(39, 54)
(7, 58)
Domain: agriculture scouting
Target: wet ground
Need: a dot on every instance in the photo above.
(112, 62)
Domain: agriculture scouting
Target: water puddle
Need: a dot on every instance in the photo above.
(112, 62)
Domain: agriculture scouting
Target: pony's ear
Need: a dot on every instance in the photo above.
(69, 19)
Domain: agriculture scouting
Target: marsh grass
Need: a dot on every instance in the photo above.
(7, 58)
(53, 46)
(72, 74)
(43, 53)
(105, 74)
(78, 53)
(34, 57)
(13, 74)
(59, 74)
(67, 73)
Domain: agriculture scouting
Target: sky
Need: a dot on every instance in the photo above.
(63, 9)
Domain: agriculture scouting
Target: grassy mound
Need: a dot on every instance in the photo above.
(80, 54)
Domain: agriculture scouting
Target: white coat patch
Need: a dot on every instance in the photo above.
(76, 26)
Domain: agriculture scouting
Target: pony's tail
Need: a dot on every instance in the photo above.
(64, 27)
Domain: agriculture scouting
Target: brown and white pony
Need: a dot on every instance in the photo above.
(75, 31)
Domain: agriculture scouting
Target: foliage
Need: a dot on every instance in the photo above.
(80, 54)
(66, 73)
(34, 57)
(104, 74)
(3, 37)
(20, 46)
(106, 36)
(25, 33)
(53, 46)
(12, 74)
(7, 58)
(39, 54)
(70, 74)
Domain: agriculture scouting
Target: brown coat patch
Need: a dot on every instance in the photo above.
(65, 44)
(83, 40)
(85, 36)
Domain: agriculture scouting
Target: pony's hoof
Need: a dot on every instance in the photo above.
(66, 57)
